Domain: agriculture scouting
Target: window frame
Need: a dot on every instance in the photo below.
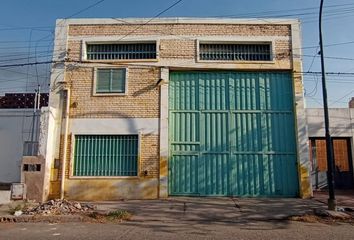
(265, 42)
(110, 40)
(95, 81)
(72, 159)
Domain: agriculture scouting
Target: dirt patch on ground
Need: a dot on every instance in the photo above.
(114, 216)
(62, 211)
(326, 217)
(59, 207)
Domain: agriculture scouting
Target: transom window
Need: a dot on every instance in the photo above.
(121, 51)
(106, 155)
(235, 52)
(110, 80)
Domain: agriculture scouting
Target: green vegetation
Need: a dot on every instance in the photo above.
(18, 207)
(119, 215)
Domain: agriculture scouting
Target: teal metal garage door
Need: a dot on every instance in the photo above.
(232, 134)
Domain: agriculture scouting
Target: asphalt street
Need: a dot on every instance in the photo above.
(178, 230)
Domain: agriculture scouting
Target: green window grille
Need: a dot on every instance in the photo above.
(121, 51)
(110, 80)
(235, 52)
(106, 155)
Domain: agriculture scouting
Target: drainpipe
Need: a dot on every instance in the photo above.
(63, 167)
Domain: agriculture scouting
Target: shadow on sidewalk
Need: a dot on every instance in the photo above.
(177, 211)
(345, 198)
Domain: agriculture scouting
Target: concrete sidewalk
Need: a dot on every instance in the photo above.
(220, 209)
(213, 209)
(345, 198)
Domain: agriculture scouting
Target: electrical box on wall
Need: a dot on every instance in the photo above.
(18, 191)
(32, 175)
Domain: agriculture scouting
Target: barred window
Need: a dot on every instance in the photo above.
(235, 52)
(106, 155)
(119, 51)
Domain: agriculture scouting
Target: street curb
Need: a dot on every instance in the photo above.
(34, 218)
(83, 218)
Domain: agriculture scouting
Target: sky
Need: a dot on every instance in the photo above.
(27, 26)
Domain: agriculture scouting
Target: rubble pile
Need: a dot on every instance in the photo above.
(59, 207)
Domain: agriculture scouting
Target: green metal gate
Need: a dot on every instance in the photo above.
(232, 134)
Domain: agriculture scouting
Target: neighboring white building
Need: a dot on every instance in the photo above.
(342, 133)
(15, 129)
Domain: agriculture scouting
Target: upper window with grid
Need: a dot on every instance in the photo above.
(235, 52)
(121, 51)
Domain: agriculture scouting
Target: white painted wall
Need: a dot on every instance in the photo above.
(15, 128)
(114, 126)
(340, 119)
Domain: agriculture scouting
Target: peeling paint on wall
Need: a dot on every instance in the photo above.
(305, 186)
(111, 189)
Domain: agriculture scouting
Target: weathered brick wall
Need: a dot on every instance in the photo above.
(177, 49)
(148, 161)
(61, 156)
(74, 50)
(182, 46)
(142, 97)
(149, 156)
(141, 100)
(282, 50)
(181, 29)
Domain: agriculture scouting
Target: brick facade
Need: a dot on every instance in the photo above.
(182, 44)
(141, 100)
(176, 42)
(181, 29)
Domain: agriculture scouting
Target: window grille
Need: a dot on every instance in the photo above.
(121, 51)
(235, 52)
(106, 155)
(110, 80)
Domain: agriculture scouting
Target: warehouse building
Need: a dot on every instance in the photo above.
(176, 106)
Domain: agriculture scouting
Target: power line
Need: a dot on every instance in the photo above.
(329, 45)
(328, 57)
(327, 73)
(255, 14)
(339, 99)
(46, 62)
(86, 8)
(282, 11)
(26, 64)
(49, 52)
(42, 28)
(157, 15)
(17, 72)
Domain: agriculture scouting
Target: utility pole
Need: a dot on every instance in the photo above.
(38, 111)
(33, 122)
(39, 98)
(330, 166)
